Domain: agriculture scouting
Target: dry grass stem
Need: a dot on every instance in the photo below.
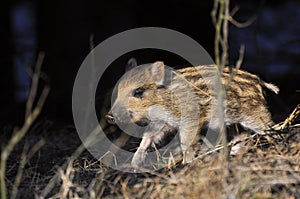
(31, 116)
(34, 84)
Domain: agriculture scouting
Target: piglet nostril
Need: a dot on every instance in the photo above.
(110, 119)
(130, 114)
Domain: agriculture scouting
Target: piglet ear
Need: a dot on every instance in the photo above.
(131, 64)
(158, 72)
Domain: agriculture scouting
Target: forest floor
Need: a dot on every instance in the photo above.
(261, 169)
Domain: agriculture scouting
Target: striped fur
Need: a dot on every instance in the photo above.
(187, 99)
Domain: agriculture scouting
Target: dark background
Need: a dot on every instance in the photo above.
(63, 29)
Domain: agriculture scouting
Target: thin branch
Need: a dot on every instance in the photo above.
(224, 59)
(289, 120)
(218, 24)
(234, 10)
(221, 8)
(29, 120)
(34, 84)
(241, 57)
(25, 157)
(242, 24)
(214, 13)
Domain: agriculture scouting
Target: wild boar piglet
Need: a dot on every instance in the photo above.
(162, 100)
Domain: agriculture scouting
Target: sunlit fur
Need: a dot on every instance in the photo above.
(187, 101)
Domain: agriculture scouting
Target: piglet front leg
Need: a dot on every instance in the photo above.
(140, 155)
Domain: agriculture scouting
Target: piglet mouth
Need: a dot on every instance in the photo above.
(143, 122)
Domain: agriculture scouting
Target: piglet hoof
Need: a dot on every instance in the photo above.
(138, 160)
(188, 157)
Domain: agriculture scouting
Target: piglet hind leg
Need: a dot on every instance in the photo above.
(187, 141)
(260, 122)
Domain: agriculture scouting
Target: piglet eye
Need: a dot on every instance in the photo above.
(139, 92)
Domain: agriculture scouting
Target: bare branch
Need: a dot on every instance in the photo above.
(242, 24)
(34, 84)
(241, 57)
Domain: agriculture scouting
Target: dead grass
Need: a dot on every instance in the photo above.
(261, 169)
(258, 171)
